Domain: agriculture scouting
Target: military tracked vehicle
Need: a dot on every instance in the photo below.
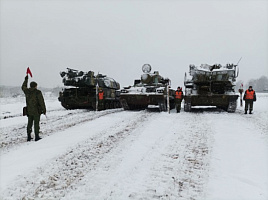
(151, 89)
(211, 85)
(81, 90)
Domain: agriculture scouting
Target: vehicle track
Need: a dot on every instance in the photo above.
(63, 173)
(15, 135)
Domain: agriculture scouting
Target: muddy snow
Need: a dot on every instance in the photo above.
(116, 154)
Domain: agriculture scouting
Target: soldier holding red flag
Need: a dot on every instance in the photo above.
(35, 106)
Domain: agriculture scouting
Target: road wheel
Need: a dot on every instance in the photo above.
(187, 105)
(107, 105)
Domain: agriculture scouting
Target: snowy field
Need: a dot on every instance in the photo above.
(118, 155)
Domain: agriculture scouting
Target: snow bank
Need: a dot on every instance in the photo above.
(205, 154)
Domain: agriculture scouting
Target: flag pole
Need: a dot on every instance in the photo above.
(97, 98)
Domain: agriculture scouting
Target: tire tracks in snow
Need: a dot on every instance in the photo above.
(65, 172)
(185, 161)
(193, 175)
(167, 162)
(6, 115)
(14, 136)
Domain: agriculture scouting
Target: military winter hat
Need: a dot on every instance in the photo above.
(250, 87)
(33, 84)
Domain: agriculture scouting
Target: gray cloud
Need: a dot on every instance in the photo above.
(117, 37)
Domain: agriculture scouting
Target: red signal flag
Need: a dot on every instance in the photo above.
(29, 72)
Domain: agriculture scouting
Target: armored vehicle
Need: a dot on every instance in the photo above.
(82, 88)
(211, 85)
(151, 89)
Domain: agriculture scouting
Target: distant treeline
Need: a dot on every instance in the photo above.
(9, 91)
(259, 85)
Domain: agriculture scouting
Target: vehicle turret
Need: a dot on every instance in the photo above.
(81, 89)
(211, 85)
(150, 89)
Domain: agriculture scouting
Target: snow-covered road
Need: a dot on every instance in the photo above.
(116, 154)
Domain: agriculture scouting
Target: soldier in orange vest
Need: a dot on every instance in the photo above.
(249, 98)
(101, 97)
(178, 98)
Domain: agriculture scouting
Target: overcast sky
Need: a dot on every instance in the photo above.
(117, 37)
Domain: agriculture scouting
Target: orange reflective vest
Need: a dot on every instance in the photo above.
(101, 95)
(249, 94)
(178, 94)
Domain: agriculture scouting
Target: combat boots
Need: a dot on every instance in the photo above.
(246, 112)
(37, 138)
(29, 137)
(250, 112)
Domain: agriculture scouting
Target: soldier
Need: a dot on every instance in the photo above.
(101, 95)
(35, 107)
(249, 97)
(178, 98)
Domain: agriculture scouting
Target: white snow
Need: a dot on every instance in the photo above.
(115, 154)
(240, 156)
(142, 90)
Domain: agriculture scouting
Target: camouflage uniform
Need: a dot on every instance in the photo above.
(35, 107)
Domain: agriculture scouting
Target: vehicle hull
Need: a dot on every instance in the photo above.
(211, 100)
